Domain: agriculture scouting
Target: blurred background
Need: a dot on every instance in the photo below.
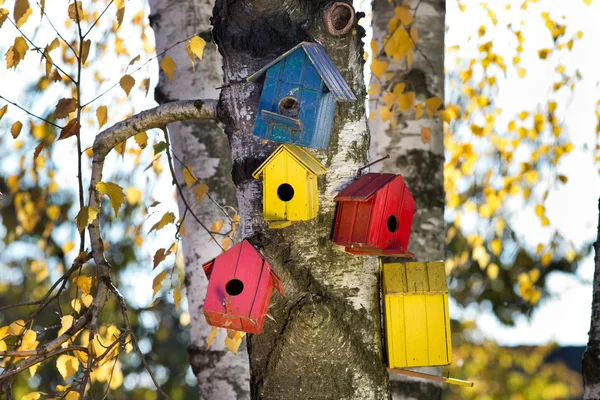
(521, 178)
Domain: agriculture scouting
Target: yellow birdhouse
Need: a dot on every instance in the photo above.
(289, 186)
(415, 304)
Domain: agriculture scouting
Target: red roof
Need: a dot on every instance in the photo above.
(363, 188)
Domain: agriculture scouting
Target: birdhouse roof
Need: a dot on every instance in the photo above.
(298, 154)
(364, 187)
(241, 251)
(414, 278)
(324, 66)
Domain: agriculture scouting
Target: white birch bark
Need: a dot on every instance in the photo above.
(203, 146)
(420, 164)
(591, 357)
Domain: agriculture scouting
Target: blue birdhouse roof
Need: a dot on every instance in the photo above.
(324, 66)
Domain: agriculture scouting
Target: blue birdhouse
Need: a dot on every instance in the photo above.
(300, 93)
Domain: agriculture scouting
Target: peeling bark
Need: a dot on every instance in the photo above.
(420, 164)
(591, 357)
(325, 342)
(203, 146)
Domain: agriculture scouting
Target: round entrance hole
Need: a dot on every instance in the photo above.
(234, 287)
(285, 192)
(392, 223)
(289, 106)
(339, 19)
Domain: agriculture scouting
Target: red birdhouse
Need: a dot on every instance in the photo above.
(240, 282)
(374, 216)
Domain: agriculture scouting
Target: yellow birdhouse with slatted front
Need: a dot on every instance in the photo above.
(415, 304)
(289, 186)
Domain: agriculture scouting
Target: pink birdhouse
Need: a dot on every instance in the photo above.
(374, 216)
(239, 289)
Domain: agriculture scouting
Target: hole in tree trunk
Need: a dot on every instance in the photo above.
(339, 18)
(392, 223)
(285, 192)
(234, 287)
(289, 106)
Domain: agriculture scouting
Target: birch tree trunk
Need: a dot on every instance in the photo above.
(203, 146)
(420, 164)
(325, 342)
(591, 357)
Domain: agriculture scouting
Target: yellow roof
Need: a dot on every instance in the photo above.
(414, 278)
(298, 154)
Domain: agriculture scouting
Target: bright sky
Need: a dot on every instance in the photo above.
(573, 208)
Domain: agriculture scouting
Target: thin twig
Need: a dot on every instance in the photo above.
(36, 48)
(180, 191)
(30, 113)
(98, 19)
(28, 362)
(123, 306)
(56, 30)
(136, 70)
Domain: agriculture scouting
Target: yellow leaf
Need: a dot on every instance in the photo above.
(157, 282)
(134, 60)
(492, 271)
(16, 52)
(3, 111)
(76, 14)
(76, 305)
(447, 115)
(168, 66)
(31, 396)
(386, 114)
(74, 395)
(546, 259)
(85, 217)
(200, 190)
(66, 322)
(85, 50)
(53, 211)
(432, 105)
(521, 72)
(226, 243)
(177, 295)
(233, 343)
(120, 148)
(587, 2)
(67, 365)
(217, 226)
(2, 345)
(16, 328)
(87, 299)
(64, 107)
(406, 101)
(543, 53)
(133, 195)
(167, 218)
(159, 257)
(540, 210)
(68, 246)
(3, 15)
(404, 15)
(15, 129)
(532, 176)
(188, 176)
(145, 85)
(127, 83)
(425, 135)
(141, 139)
(195, 46)
(101, 116)
(211, 337)
(114, 192)
(29, 340)
(22, 12)
(378, 67)
(84, 283)
(33, 369)
(71, 129)
(481, 31)
(496, 246)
